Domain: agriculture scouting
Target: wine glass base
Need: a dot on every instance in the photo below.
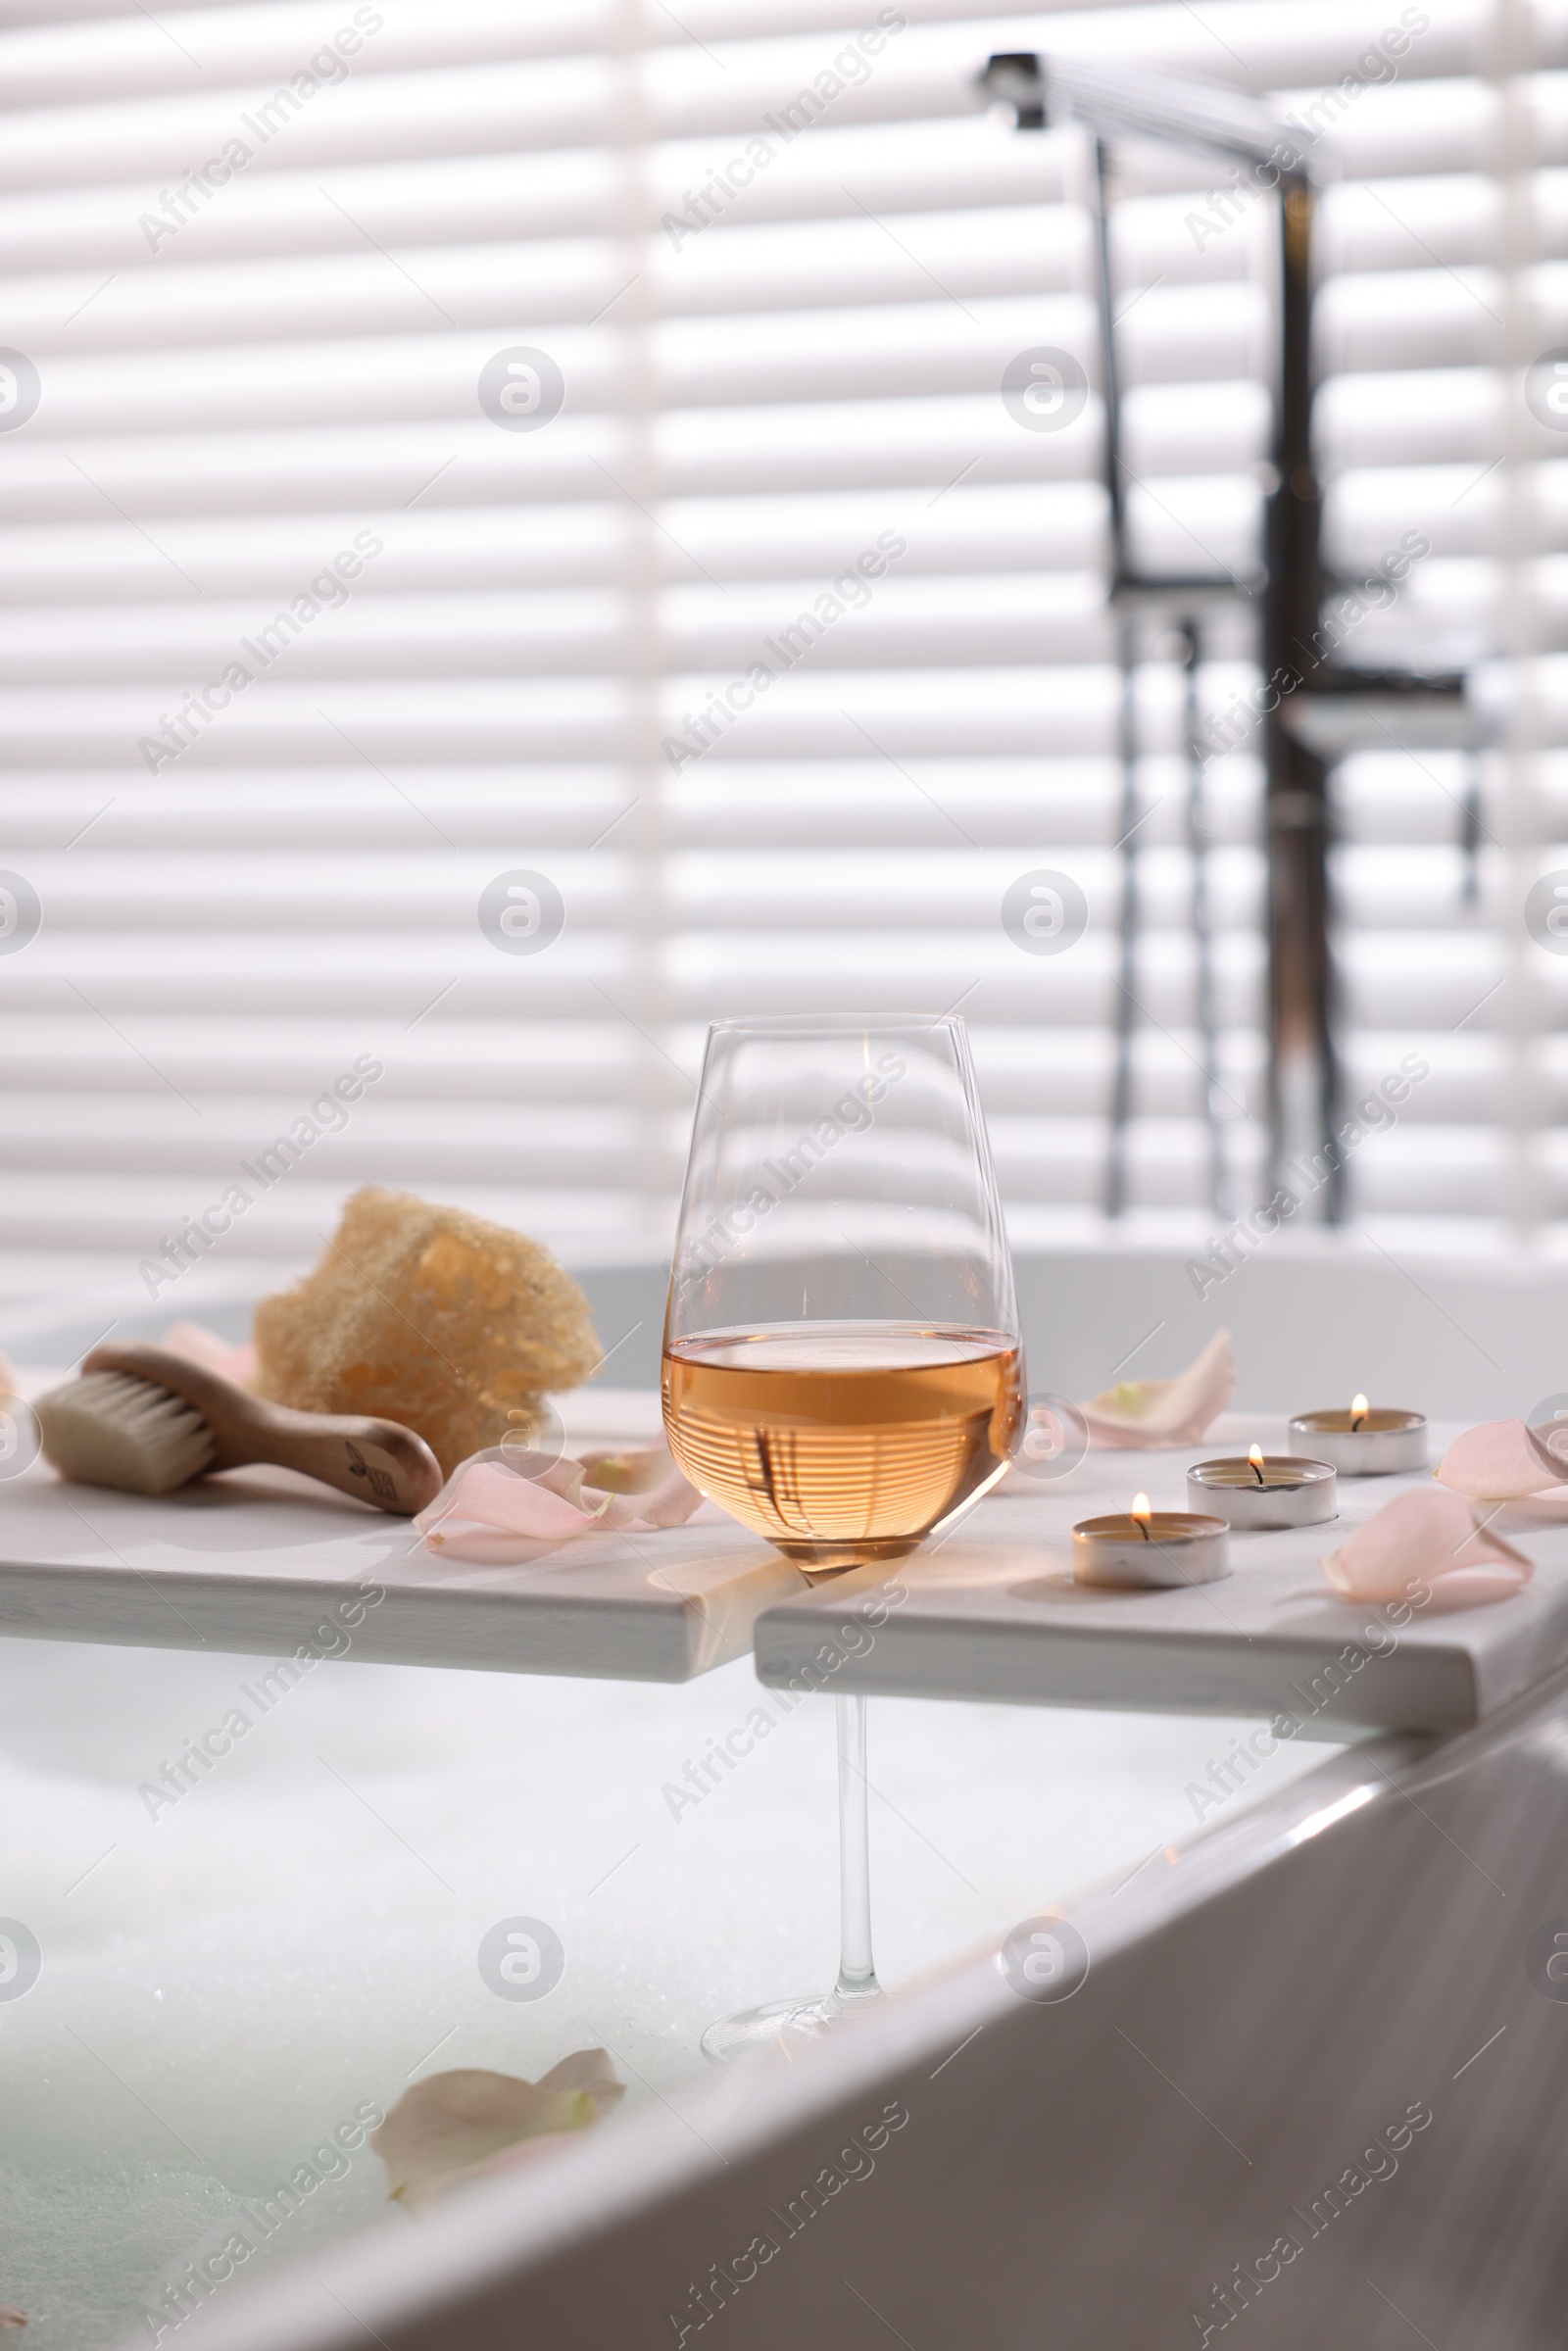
(833, 1558)
(780, 2027)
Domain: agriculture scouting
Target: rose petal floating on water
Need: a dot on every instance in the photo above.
(1428, 1540)
(467, 2125)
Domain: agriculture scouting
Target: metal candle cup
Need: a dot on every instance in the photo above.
(1363, 1445)
(1178, 1548)
(1281, 1491)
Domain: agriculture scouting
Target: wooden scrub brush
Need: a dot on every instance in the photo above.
(146, 1420)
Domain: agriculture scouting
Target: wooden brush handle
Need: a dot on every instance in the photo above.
(377, 1461)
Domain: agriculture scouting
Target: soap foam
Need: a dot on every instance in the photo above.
(228, 1979)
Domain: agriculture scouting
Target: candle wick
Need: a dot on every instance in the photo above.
(1257, 1471)
(1142, 1524)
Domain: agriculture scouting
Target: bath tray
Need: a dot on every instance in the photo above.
(267, 1563)
(989, 1614)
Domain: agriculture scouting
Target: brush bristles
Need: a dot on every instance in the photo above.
(110, 1429)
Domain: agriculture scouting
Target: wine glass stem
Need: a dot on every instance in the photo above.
(856, 1972)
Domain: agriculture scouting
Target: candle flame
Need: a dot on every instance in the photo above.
(1254, 1457)
(1141, 1512)
(1358, 1411)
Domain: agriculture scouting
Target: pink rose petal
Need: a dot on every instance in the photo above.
(664, 1496)
(1428, 1539)
(636, 1469)
(1475, 1587)
(1499, 1461)
(461, 2125)
(486, 1494)
(490, 1514)
(1164, 1414)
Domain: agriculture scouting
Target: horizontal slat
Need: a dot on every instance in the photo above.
(1314, 40)
(835, 446)
(1469, 1081)
(1023, 526)
(1420, 888)
(1018, 806)
(127, 51)
(921, 611)
(487, 718)
(448, 1057)
(1062, 1071)
(803, 713)
(586, 976)
(1385, 799)
(395, 894)
(963, 621)
(1460, 1169)
(560, 286)
(260, 1140)
(62, 1212)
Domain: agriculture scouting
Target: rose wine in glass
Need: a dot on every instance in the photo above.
(842, 1365)
(842, 1441)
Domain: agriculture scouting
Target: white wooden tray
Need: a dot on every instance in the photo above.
(991, 1614)
(265, 1563)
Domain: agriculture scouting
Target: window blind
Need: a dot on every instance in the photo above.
(514, 544)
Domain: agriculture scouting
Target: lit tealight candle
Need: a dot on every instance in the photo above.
(1147, 1549)
(1257, 1494)
(1363, 1443)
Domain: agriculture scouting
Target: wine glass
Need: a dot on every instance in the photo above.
(843, 1370)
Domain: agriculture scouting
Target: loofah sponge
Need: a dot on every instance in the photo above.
(429, 1316)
